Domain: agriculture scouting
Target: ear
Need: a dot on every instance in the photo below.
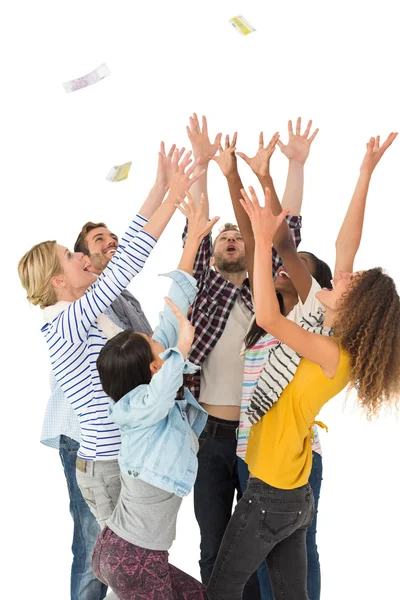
(58, 281)
(154, 367)
(212, 262)
(90, 266)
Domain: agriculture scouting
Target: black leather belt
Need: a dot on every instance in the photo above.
(216, 429)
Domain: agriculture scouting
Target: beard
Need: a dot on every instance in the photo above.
(227, 265)
(99, 261)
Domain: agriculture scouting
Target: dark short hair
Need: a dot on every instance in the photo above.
(323, 273)
(81, 244)
(223, 229)
(124, 363)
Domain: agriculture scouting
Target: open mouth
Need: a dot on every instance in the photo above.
(282, 273)
(110, 251)
(231, 248)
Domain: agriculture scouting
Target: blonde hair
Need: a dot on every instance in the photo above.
(35, 270)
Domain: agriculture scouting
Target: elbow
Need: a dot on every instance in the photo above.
(285, 245)
(268, 321)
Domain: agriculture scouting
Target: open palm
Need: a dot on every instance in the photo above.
(298, 147)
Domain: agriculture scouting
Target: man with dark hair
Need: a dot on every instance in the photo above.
(61, 426)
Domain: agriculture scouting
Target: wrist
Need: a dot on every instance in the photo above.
(204, 161)
(264, 241)
(233, 176)
(296, 164)
(264, 178)
(160, 188)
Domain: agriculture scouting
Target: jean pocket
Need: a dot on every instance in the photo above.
(275, 526)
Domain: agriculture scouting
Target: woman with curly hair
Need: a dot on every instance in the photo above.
(357, 342)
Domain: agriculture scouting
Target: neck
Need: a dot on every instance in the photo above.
(330, 317)
(69, 295)
(289, 302)
(234, 278)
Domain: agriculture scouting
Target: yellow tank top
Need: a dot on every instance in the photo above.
(279, 450)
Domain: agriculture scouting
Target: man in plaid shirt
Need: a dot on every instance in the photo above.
(221, 314)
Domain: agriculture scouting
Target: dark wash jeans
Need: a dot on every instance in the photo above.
(214, 492)
(267, 523)
(313, 566)
(84, 585)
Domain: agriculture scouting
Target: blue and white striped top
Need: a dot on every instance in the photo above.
(74, 340)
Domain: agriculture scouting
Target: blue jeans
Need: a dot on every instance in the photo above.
(313, 566)
(84, 585)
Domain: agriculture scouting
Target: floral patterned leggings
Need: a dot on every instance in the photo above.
(135, 573)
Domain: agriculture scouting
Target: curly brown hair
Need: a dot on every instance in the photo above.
(368, 328)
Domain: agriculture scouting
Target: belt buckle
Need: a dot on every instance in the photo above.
(81, 465)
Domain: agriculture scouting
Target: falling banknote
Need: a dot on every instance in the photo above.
(119, 173)
(241, 25)
(89, 79)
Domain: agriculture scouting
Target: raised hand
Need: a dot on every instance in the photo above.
(186, 329)
(203, 149)
(164, 169)
(375, 152)
(198, 224)
(226, 158)
(259, 164)
(264, 223)
(298, 147)
(183, 176)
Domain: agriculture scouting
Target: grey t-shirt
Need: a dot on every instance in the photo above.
(145, 515)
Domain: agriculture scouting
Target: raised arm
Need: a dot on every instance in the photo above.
(317, 348)
(226, 160)
(183, 289)
(203, 151)
(296, 151)
(163, 181)
(74, 322)
(349, 237)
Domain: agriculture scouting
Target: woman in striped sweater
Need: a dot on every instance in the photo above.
(75, 304)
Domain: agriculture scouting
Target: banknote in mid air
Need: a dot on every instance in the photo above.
(89, 79)
(241, 25)
(119, 173)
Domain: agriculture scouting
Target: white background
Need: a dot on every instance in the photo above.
(336, 63)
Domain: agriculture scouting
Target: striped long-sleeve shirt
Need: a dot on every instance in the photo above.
(74, 340)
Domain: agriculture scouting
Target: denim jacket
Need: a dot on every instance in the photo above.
(157, 430)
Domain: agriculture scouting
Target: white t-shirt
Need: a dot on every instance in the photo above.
(222, 371)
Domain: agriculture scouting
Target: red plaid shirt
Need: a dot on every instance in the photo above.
(216, 297)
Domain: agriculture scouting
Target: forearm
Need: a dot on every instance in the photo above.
(160, 219)
(350, 233)
(189, 255)
(153, 200)
(293, 194)
(235, 186)
(265, 301)
(200, 187)
(266, 181)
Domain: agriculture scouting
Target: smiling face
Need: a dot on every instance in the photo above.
(229, 252)
(282, 280)
(102, 245)
(75, 277)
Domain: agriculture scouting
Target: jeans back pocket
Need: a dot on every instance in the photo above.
(278, 525)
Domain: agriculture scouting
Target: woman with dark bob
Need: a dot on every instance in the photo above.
(356, 341)
(160, 422)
